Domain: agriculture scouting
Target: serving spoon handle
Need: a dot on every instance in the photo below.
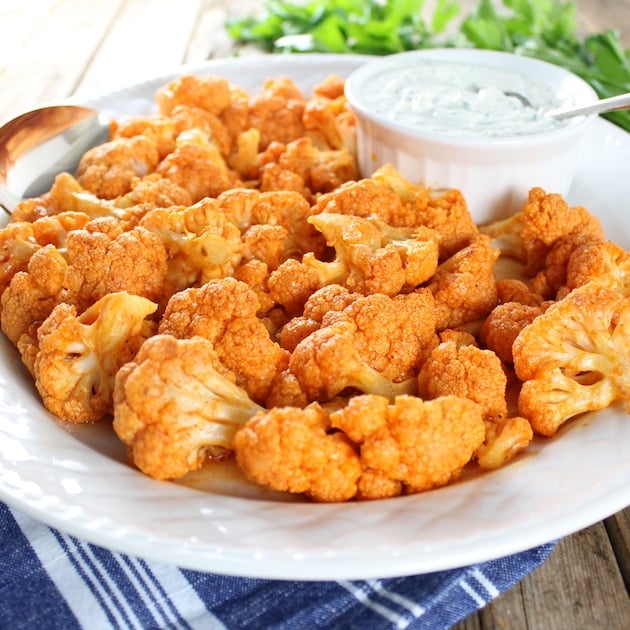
(614, 103)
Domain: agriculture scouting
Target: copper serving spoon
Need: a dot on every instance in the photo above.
(38, 145)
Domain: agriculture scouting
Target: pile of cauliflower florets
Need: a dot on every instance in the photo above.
(220, 280)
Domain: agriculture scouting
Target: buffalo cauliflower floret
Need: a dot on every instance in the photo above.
(544, 218)
(375, 345)
(286, 391)
(321, 170)
(20, 240)
(78, 355)
(33, 294)
(505, 439)
(574, 357)
(368, 449)
(270, 244)
(288, 209)
(328, 119)
(365, 198)
(255, 274)
(225, 313)
(460, 368)
(515, 290)
(185, 117)
(444, 211)
(329, 299)
(201, 242)
(209, 92)
(468, 372)
(103, 258)
(197, 166)
(551, 281)
(100, 258)
(159, 127)
(66, 195)
(272, 177)
(603, 262)
(152, 191)
(109, 169)
(176, 407)
(503, 324)
(410, 445)
(371, 257)
(277, 111)
(296, 450)
(464, 285)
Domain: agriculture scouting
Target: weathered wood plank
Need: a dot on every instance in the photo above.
(17, 25)
(580, 581)
(608, 14)
(210, 40)
(579, 586)
(42, 70)
(149, 38)
(618, 528)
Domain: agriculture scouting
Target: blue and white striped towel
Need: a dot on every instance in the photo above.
(49, 581)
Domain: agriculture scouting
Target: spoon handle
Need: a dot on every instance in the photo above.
(622, 101)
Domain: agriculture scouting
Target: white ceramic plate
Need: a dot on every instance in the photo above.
(76, 478)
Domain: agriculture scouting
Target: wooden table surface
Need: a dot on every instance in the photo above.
(51, 49)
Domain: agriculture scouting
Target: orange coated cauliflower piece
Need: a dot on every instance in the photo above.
(197, 166)
(78, 355)
(464, 286)
(152, 191)
(104, 258)
(176, 407)
(328, 119)
(185, 117)
(209, 92)
(603, 262)
(503, 324)
(574, 357)
(225, 312)
(200, 240)
(19, 240)
(365, 198)
(331, 298)
(288, 209)
(159, 127)
(371, 257)
(277, 111)
(66, 195)
(544, 218)
(444, 211)
(368, 449)
(98, 259)
(375, 345)
(33, 293)
(551, 281)
(109, 169)
(410, 445)
(296, 450)
(320, 170)
(465, 371)
(505, 439)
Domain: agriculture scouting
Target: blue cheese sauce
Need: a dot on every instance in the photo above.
(462, 100)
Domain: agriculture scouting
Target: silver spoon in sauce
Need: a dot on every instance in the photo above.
(611, 104)
(38, 145)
